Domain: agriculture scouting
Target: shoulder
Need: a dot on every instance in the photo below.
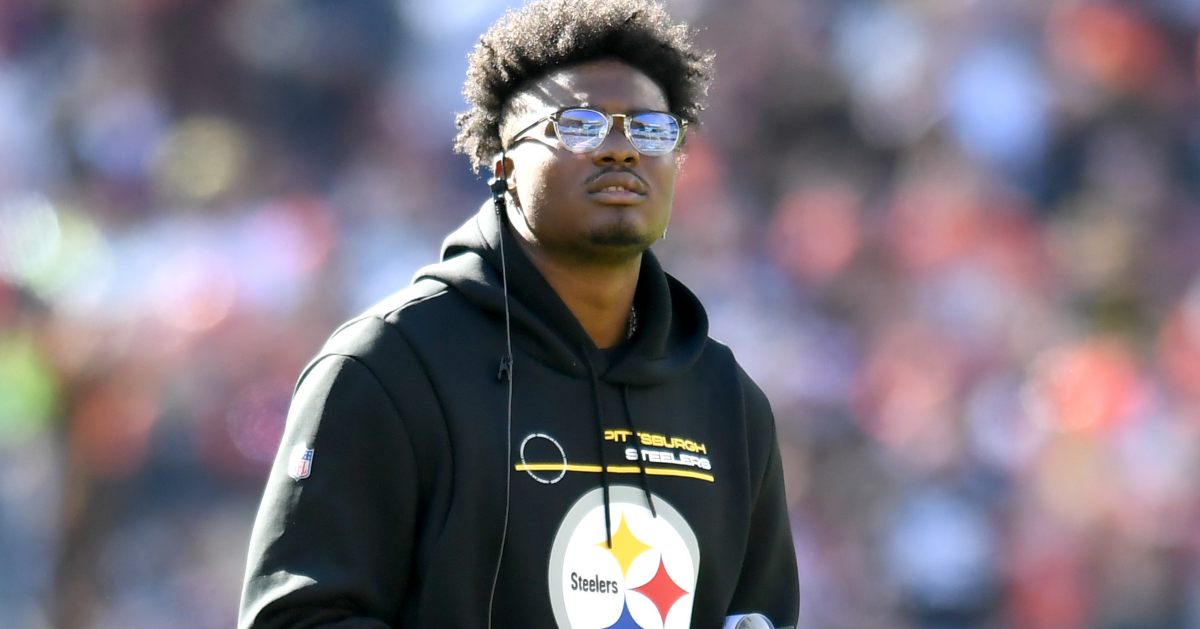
(388, 326)
(374, 357)
(755, 406)
(380, 340)
(718, 353)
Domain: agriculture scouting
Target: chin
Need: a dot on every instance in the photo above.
(620, 237)
(616, 246)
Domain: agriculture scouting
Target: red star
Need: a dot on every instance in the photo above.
(661, 590)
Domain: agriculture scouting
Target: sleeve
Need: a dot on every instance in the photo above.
(332, 541)
(768, 583)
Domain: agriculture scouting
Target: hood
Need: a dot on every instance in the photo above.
(672, 326)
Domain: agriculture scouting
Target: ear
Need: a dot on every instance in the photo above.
(502, 168)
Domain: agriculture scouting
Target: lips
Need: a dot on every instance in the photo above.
(617, 183)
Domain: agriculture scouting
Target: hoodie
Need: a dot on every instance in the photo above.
(426, 480)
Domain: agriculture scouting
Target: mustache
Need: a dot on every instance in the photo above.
(607, 170)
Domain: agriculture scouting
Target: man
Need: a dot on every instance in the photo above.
(538, 432)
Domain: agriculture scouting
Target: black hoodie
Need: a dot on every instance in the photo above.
(636, 487)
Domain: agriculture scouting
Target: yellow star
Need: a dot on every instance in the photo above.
(625, 546)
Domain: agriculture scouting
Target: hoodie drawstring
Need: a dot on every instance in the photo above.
(643, 480)
(641, 464)
(600, 449)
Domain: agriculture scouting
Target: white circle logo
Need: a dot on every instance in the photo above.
(547, 480)
(645, 580)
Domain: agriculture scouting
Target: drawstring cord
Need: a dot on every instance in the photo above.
(600, 450)
(642, 478)
(641, 464)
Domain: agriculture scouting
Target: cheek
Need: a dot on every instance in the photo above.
(664, 178)
(669, 179)
(535, 193)
(543, 184)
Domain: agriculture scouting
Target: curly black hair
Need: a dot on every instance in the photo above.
(545, 35)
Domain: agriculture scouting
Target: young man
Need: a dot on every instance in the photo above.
(538, 432)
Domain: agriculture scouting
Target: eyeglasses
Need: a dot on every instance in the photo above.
(581, 130)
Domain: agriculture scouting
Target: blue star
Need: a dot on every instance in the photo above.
(626, 620)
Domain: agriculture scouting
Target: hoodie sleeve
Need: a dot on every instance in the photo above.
(333, 546)
(768, 582)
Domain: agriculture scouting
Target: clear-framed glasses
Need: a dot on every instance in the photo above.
(581, 130)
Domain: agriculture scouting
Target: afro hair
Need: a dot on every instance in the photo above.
(545, 35)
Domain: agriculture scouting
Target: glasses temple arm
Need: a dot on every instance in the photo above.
(504, 145)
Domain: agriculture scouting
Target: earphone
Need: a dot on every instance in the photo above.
(499, 188)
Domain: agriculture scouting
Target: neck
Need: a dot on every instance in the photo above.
(600, 296)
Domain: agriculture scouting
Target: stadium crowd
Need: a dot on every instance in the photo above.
(957, 242)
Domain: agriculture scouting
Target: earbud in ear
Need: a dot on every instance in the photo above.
(498, 185)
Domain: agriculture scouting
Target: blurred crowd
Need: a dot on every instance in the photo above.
(957, 242)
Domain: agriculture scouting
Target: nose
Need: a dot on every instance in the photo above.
(616, 148)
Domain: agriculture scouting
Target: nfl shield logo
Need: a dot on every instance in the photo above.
(300, 462)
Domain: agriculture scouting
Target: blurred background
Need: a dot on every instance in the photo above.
(957, 242)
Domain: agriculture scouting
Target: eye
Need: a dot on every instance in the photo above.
(581, 129)
(654, 133)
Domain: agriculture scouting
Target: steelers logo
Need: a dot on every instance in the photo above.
(646, 580)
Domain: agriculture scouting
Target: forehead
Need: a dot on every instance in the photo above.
(606, 85)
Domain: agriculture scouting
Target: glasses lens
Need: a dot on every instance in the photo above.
(581, 130)
(654, 133)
